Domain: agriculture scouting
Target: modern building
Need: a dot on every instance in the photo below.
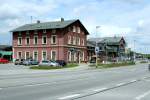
(6, 52)
(57, 40)
(110, 48)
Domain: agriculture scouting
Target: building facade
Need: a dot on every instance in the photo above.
(59, 40)
(110, 48)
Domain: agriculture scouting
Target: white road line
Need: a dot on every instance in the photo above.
(101, 89)
(37, 84)
(142, 96)
(0, 88)
(69, 96)
(133, 81)
(120, 84)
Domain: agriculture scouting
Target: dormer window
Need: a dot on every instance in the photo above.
(44, 31)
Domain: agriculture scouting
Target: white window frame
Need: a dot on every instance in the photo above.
(69, 55)
(26, 53)
(42, 54)
(52, 39)
(44, 31)
(26, 40)
(52, 55)
(34, 40)
(74, 29)
(43, 39)
(83, 55)
(78, 30)
(34, 55)
(74, 40)
(18, 54)
(19, 43)
(69, 39)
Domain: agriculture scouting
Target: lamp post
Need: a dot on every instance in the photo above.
(96, 47)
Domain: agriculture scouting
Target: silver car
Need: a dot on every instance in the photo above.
(48, 63)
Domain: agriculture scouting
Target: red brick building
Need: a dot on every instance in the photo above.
(59, 40)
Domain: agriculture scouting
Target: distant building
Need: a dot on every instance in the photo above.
(58, 40)
(6, 52)
(110, 48)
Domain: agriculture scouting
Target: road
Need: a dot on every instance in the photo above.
(123, 83)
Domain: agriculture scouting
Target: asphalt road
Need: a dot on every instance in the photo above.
(124, 83)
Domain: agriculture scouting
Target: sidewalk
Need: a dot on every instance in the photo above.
(13, 70)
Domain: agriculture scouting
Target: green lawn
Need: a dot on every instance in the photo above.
(70, 65)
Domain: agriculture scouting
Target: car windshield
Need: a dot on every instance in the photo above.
(45, 61)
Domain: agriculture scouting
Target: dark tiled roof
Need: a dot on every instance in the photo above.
(108, 40)
(46, 25)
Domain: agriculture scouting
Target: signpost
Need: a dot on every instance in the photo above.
(96, 52)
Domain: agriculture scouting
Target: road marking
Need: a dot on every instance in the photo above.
(37, 84)
(133, 81)
(120, 84)
(142, 96)
(69, 96)
(0, 88)
(101, 89)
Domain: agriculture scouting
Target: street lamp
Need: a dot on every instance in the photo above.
(96, 47)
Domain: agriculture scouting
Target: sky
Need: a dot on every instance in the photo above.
(127, 18)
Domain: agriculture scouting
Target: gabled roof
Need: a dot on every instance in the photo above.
(108, 40)
(45, 25)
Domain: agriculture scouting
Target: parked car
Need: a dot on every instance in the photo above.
(30, 62)
(61, 62)
(19, 61)
(54, 63)
(2, 60)
(48, 63)
(44, 63)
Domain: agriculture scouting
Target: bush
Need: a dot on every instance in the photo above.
(54, 67)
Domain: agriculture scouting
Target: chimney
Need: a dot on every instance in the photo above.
(62, 19)
(38, 21)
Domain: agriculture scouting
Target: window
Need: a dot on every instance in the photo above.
(74, 29)
(53, 31)
(44, 40)
(75, 57)
(53, 39)
(53, 55)
(78, 30)
(35, 40)
(35, 32)
(69, 55)
(83, 42)
(27, 40)
(19, 55)
(27, 33)
(78, 41)
(44, 55)
(44, 31)
(27, 55)
(74, 40)
(35, 55)
(19, 40)
(69, 39)
(69, 29)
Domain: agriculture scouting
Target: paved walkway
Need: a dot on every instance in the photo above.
(11, 69)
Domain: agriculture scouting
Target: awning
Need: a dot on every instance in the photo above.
(6, 53)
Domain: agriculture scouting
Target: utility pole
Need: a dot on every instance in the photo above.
(134, 52)
(96, 47)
